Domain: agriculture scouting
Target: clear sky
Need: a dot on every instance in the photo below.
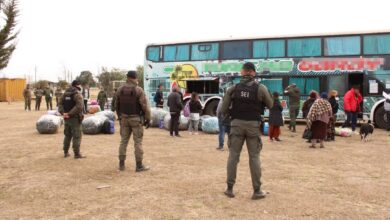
(82, 35)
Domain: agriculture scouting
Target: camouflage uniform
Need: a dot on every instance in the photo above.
(49, 98)
(27, 98)
(38, 98)
(58, 94)
(132, 124)
(294, 96)
(245, 131)
(102, 99)
(72, 129)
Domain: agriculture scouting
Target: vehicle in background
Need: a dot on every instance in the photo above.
(320, 62)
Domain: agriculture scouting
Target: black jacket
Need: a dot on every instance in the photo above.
(335, 105)
(307, 106)
(159, 98)
(275, 114)
(195, 106)
(175, 103)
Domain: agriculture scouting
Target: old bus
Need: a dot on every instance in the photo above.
(320, 63)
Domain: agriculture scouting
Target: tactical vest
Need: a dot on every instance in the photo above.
(128, 101)
(246, 105)
(68, 101)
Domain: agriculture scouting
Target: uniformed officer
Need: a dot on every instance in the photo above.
(38, 98)
(49, 98)
(27, 98)
(294, 96)
(244, 103)
(102, 99)
(133, 110)
(71, 107)
(58, 94)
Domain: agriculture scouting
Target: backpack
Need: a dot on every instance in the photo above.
(155, 99)
(186, 110)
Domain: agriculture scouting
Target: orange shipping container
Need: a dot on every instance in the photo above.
(12, 88)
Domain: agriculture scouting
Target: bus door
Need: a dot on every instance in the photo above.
(357, 79)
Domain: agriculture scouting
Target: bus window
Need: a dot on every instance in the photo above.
(260, 49)
(306, 47)
(337, 46)
(203, 86)
(154, 83)
(273, 85)
(276, 48)
(268, 48)
(306, 84)
(236, 50)
(376, 44)
(207, 51)
(337, 83)
(176, 53)
(153, 53)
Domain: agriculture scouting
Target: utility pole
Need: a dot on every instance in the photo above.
(35, 74)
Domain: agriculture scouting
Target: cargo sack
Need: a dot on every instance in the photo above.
(92, 109)
(186, 110)
(343, 132)
(183, 122)
(93, 124)
(203, 117)
(210, 125)
(108, 114)
(49, 124)
(108, 127)
(158, 115)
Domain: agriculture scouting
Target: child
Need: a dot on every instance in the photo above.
(275, 118)
(195, 109)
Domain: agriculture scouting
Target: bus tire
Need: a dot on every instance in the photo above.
(211, 108)
(380, 117)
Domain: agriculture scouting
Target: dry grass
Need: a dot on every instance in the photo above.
(346, 180)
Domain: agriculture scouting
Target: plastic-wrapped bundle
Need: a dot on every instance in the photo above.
(183, 122)
(53, 112)
(201, 120)
(93, 124)
(210, 125)
(158, 115)
(343, 132)
(108, 127)
(48, 124)
(109, 114)
(93, 109)
(94, 102)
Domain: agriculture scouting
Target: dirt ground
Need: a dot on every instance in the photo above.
(346, 180)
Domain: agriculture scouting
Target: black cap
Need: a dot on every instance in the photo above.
(132, 74)
(249, 66)
(76, 83)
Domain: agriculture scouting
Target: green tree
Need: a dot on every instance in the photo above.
(63, 84)
(140, 73)
(86, 78)
(8, 9)
(108, 76)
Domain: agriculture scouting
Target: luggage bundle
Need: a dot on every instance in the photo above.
(210, 125)
(101, 122)
(183, 122)
(49, 124)
(158, 115)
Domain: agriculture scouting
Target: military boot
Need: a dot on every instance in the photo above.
(121, 165)
(79, 156)
(229, 191)
(258, 194)
(140, 167)
(66, 154)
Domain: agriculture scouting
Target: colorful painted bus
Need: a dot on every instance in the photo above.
(318, 62)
